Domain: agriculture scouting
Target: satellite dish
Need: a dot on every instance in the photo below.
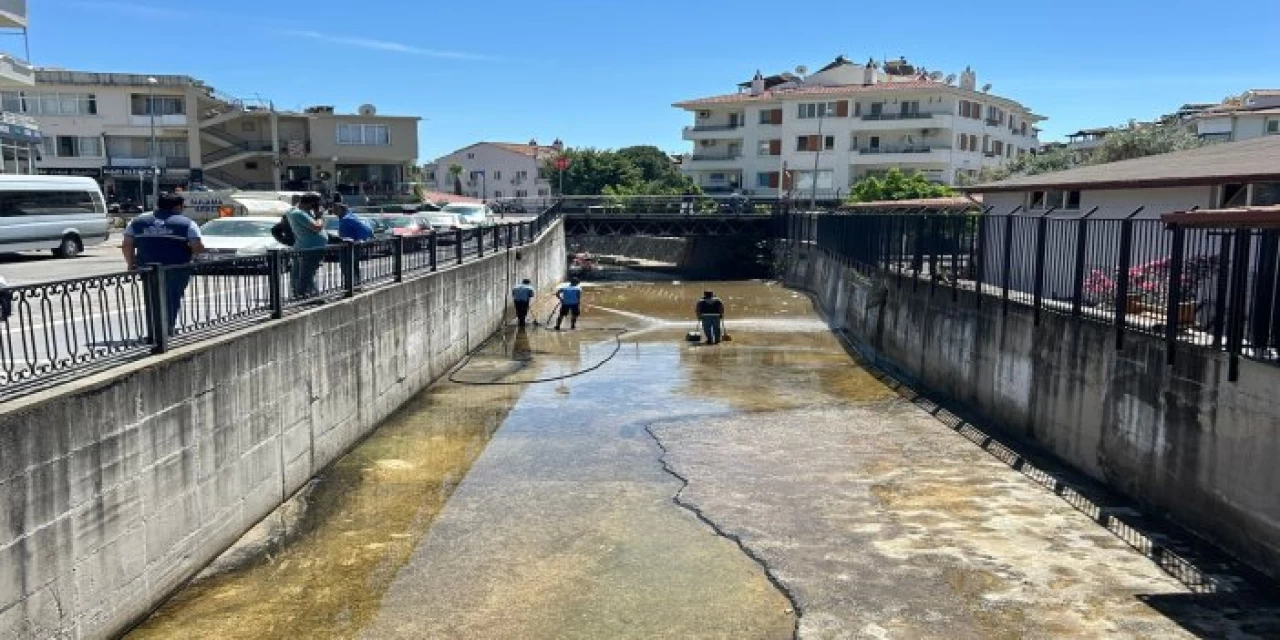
(986, 87)
(950, 79)
(802, 70)
(935, 76)
(368, 110)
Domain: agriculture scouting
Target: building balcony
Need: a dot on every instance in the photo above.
(178, 120)
(902, 154)
(15, 72)
(707, 160)
(173, 162)
(705, 131)
(13, 14)
(902, 122)
(993, 122)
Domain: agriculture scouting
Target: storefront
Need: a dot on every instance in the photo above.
(19, 148)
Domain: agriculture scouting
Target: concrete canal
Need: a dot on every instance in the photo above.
(762, 488)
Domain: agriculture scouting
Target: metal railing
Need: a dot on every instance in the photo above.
(257, 146)
(56, 331)
(900, 116)
(699, 157)
(903, 149)
(716, 127)
(1215, 289)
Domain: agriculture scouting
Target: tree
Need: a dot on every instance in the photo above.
(631, 171)
(896, 185)
(455, 170)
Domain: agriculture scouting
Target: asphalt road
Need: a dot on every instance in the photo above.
(40, 266)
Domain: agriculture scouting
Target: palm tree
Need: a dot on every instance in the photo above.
(455, 170)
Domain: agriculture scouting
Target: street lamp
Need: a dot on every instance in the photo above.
(155, 170)
(813, 197)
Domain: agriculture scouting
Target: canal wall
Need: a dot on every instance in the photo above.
(1181, 440)
(119, 487)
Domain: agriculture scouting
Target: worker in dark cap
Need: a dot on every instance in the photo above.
(710, 311)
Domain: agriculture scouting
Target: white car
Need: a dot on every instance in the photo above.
(238, 236)
(446, 224)
(479, 215)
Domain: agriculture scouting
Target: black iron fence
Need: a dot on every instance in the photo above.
(55, 331)
(1210, 288)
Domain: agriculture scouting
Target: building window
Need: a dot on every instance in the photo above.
(809, 110)
(521, 193)
(248, 125)
(1040, 200)
(771, 116)
(829, 143)
(544, 192)
(497, 175)
(1273, 126)
(251, 165)
(703, 115)
(49, 104)
(1073, 200)
(497, 193)
(369, 135)
(73, 147)
(1265, 193)
(764, 179)
(145, 105)
(1234, 195)
(804, 179)
(521, 176)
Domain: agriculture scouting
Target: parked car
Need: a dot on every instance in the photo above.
(238, 237)
(477, 214)
(445, 224)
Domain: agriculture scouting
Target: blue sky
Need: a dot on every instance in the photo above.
(604, 73)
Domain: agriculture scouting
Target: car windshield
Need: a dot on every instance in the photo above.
(465, 209)
(237, 228)
(442, 221)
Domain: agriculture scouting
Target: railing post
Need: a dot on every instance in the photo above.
(347, 258)
(480, 242)
(1239, 281)
(457, 245)
(1221, 289)
(433, 245)
(1125, 260)
(157, 308)
(397, 259)
(1172, 310)
(1037, 287)
(510, 239)
(275, 283)
(1077, 271)
(1007, 268)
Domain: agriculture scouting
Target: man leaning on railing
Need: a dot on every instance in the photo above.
(354, 229)
(164, 238)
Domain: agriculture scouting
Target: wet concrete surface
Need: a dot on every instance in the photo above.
(680, 491)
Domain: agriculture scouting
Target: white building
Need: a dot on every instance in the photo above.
(496, 170)
(1253, 115)
(101, 125)
(852, 121)
(19, 134)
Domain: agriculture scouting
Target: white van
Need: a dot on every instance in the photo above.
(65, 214)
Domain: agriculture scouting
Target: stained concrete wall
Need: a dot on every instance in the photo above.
(118, 488)
(1180, 439)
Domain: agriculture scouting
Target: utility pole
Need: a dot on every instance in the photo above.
(155, 166)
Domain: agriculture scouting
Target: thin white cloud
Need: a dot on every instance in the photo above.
(135, 10)
(383, 45)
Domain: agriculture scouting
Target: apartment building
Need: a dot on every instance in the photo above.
(1252, 115)
(496, 170)
(848, 121)
(19, 133)
(102, 125)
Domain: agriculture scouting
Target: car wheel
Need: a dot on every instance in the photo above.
(69, 248)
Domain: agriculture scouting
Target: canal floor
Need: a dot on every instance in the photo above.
(762, 488)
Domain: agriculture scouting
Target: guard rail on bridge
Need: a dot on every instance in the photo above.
(52, 332)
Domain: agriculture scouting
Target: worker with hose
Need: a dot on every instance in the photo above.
(710, 311)
(570, 296)
(522, 296)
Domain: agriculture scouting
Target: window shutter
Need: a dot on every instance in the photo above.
(775, 148)
(773, 179)
(814, 143)
(776, 116)
(842, 109)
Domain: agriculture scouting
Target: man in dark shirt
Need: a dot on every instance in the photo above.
(164, 238)
(710, 311)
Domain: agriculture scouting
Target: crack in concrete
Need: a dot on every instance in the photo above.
(679, 501)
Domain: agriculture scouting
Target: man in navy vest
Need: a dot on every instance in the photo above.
(166, 238)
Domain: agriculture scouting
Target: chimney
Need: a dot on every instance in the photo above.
(968, 80)
(870, 74)
(757, 84)
(557, 145)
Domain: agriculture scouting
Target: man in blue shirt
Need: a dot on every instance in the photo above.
(351, 228)
(522, 295)
(309, 242)
(570, 296)
(164, 238)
